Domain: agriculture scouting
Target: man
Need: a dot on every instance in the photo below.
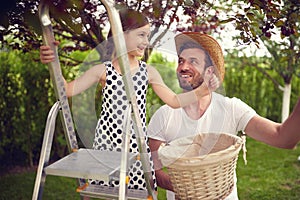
(199, 55)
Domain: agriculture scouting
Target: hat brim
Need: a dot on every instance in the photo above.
(208, 43)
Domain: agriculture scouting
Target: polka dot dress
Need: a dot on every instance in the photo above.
(109, 130)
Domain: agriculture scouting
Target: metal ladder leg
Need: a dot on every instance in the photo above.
(123, 185)
(45, 152)
(121, 52)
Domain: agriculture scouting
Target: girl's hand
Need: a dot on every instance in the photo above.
(210, 84)
(213, 83)
(47, 54)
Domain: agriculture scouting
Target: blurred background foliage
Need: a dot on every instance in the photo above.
(27, 96)
(26, 92)
(81, 27)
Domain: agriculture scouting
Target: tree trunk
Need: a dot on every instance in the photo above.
(286, 102)
(30, 158)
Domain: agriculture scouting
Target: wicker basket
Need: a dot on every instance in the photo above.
(202, 166)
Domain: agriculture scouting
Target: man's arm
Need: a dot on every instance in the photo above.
(163, 179)
(285, 135)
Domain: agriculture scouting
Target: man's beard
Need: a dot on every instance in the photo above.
(190, 85)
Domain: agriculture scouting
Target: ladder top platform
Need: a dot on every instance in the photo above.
(90, 164)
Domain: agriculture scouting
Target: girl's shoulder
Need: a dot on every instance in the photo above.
(103, 65)
(153, 74)
(150, 69)
(99, 66)
(97, 71)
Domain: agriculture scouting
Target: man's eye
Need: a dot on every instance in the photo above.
(194, 62)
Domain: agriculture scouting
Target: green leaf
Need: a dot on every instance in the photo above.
(279, 23)
(250, 16)
(227, 20)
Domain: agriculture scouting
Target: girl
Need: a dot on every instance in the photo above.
(109, 130)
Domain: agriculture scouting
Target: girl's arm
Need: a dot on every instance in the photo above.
(171, 98)
(93, 75)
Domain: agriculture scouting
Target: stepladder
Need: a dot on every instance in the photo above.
(83, 163)
(86, 164)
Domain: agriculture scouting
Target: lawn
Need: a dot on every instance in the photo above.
(270, 174)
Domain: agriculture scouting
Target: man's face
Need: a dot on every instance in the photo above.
(190, 70)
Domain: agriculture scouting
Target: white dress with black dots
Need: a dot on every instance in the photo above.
(109, 130)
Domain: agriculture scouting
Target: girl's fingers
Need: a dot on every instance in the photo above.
(46, 53)
(214, 82)
(56, 43)
(46, 56)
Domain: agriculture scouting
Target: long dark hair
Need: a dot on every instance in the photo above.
(130, 20)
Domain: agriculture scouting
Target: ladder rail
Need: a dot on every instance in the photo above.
(121, 52)
(124, 160)
(57, 78)
(45, 152)
(60, 92)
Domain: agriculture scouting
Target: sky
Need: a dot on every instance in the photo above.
(168, 48)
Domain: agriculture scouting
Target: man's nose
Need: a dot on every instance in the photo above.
(185, 65)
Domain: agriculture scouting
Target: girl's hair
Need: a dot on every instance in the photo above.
(130, 20)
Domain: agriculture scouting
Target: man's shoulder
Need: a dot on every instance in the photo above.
(164, 108)
(231, 103)
(222, 98)
(167, 108)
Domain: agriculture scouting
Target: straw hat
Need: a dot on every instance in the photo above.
(208, 43)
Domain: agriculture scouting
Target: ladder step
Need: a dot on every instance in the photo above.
(100, 191)
(90, 164)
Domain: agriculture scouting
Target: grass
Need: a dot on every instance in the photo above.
(20, 186)
(270, 174)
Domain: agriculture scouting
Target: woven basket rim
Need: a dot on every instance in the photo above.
(204, 160)
(213, 158)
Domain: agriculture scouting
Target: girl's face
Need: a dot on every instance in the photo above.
(137, 40)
